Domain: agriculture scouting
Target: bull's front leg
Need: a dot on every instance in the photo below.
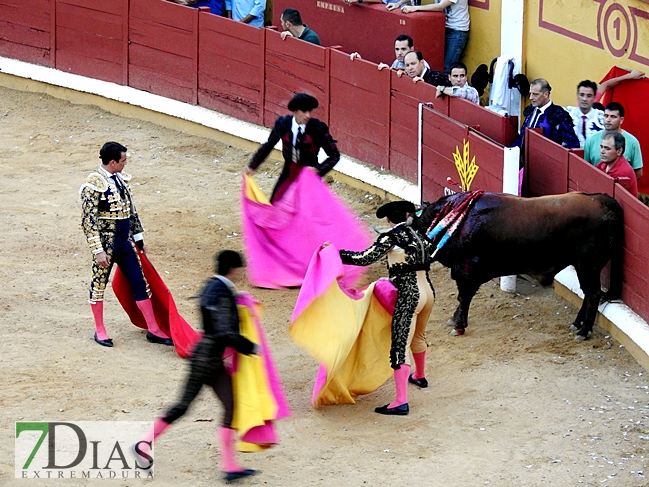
(465, 292)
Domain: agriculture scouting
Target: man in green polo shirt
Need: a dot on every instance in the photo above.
(292, 24)
(613, 118)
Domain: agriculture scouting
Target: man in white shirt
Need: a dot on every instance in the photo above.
(587, 120)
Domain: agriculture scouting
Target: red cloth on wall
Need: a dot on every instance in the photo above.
(634, 97)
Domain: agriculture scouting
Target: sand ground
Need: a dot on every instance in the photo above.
(516, 401)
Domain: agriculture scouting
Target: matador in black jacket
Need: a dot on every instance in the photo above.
(302, 138)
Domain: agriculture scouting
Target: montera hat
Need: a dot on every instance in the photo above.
(396, 211)
(302, 102)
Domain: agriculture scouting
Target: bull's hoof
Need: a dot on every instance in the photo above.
(450, 323)
(580, 338)
(573, 327)
(457, 332)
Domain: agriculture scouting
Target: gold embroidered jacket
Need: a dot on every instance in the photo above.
(102, 205)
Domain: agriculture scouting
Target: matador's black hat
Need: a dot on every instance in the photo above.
(396, 211)
(303, 102)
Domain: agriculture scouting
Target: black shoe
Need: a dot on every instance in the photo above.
(395, 411)
(423, 383)
(108, 342)
(150, 337)
(230, 476)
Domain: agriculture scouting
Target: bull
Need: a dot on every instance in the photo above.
(503, 235)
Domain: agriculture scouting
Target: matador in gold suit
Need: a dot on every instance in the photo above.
(113, 228)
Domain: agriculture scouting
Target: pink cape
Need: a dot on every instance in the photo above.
(279, 239)
(347, 331)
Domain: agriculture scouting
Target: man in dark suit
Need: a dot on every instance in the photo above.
(221, 324)
(415, 67)
(302, 138)
(556, 122)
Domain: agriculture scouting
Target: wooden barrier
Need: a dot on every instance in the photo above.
(546, 168)
(582, 176)
(231, 67)
(92, 38)
(294, 66)
(503, 130)
(636, 253)
(27, 30)
(369, 29)
(360, 109)
(163, 49)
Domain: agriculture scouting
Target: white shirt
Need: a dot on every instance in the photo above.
(594, 122)
(294, 129)
(457, 15)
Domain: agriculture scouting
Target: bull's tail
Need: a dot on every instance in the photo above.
(616, 216)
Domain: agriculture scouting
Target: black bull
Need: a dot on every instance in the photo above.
(506, 235)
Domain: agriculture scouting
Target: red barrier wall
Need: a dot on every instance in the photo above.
(27, 30)
(193, 56)
(163, 49)
(294, 66)
(370, 29)
(503, 130)
(360, 108)
(91, 38)
(231, 68)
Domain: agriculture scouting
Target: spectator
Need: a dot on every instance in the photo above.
(403, 44)
(614, 163)
(387, 2)
(586, 119)
(291, 21)
(417, 70)
(613, 118)
(457, 25)
(249, 12)
(459, 86)
(543, 113)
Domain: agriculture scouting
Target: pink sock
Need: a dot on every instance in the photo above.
(420, 365)
(159, 426)
(152, 325)
(98, 313)
(228, 462)
(401, 384)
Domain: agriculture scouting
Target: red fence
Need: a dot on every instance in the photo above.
(196, 57)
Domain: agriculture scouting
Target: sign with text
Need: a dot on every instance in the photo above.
(83, 449)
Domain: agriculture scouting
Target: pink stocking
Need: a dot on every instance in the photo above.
(401, 383)
(152, 325)
(420, 365)
(98, 313)
(159, 426)
(228, 462)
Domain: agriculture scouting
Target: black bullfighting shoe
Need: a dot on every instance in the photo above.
(150, 337)
(423, 383)
(230, 476)
(108, 342)
(395, 411)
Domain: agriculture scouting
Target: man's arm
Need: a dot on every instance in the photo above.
(611, 83)
(329, 145)
(266, 148)
(431, 7)
(257, 10)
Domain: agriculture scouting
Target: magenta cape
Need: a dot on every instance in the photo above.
(280, 239)
(164, 307)
(347, 331)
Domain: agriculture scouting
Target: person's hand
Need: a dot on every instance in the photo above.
(382, 66)
(349, 2)
(440, 92)
(354, 55)
(393, 5)
(140, 245)
(285, 34)
(256, 350)
(325, 245)
(248, 170)
(102, 259)
(417, 78)
(635, 74)
(400, 73)
(408, 9)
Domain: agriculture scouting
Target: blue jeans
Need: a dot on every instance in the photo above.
(454, 42)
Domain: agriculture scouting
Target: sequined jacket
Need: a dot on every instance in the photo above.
(102, 205)
(417, 248)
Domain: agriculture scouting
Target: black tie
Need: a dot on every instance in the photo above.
(118, 183)
(299, 140)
